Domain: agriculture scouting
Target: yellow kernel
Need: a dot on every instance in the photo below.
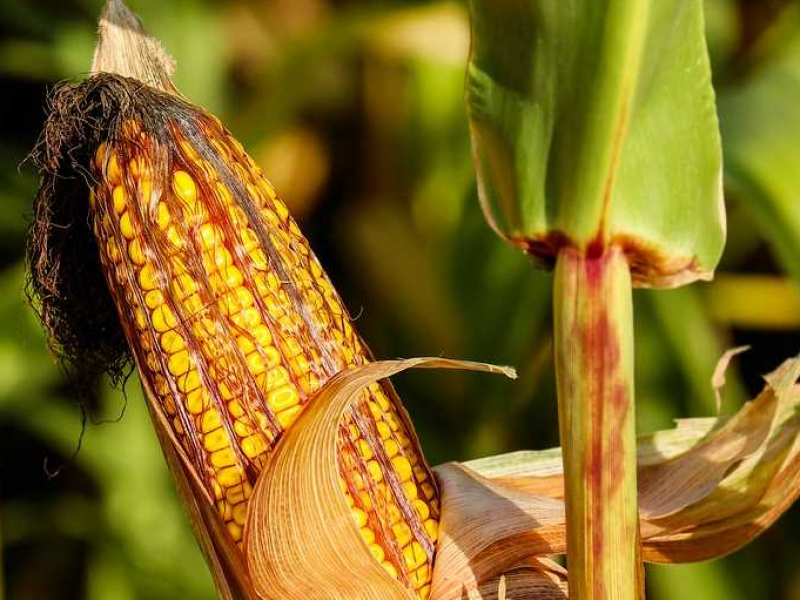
(391, 448)
(230, 476)
(300, 365)
(360, 516)
(125, 226)
(288, 416)
(375, 471)
(184, 286)
(174, 236)
(250, 240)
(176, 423)
(193, 305)
(242, 429)
(238, 493)
(223, 458)
(422, 509)
(420, 474)
(390, 568)
(172, 342)
(100, 156)
(367, 534)
(231, 277)
(235, 408)
(364, 450)
(210, 236)
(184, 187)
(197, 401)
(414, 555)
(223, 193)
(113, 172)
(308, 384)
(402, 533)
(402, 467)
(240, 513)
(383, 429)
(410, 490)
(163, 217)
(394, 514)
(217, 490)
(135, 253)
(164, 319)
(249, 318)
(189, 150)
(259, 259)
(421, 575)
(147, 277)
(120, 199)
(427, 490)
(189, 382)
(291, 346)
(383, 402)
(280, 207)
(139, 167)
(216, 259)
(253, 445)
(216, 440)
(245, 344)
(377, 552)
(255, 362)
(210, 421)
(274, 378)
(425, 592)
(229, 391)
(179, 363)
(140, 318)
(153, 299)
(113, 251)
(282, 398)
(432, 529)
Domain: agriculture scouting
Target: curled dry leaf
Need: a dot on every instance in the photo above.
(707, 487)
(718, 377)
(301, 540)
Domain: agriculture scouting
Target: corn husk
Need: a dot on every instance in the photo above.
(300, 538)
(707, 487)
(504, 515)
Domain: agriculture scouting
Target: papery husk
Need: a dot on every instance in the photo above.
(487, 529)
(300, 538)
(707, 487)
(221, 553)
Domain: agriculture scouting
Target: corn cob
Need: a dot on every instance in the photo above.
(234, 325)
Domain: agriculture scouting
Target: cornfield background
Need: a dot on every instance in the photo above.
(355, 111)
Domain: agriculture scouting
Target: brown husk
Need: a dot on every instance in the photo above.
(300, 538)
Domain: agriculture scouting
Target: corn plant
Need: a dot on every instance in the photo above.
(157, 240)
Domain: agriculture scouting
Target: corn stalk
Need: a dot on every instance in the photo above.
(597, 151)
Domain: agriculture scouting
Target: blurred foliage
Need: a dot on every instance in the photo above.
(355, 110)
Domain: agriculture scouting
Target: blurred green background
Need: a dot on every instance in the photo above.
(355, 111)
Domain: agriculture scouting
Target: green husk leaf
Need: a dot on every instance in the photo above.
(595, 122)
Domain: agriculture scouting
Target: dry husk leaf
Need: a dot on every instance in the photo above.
(708, 487)
(300, 539)
(502, 515)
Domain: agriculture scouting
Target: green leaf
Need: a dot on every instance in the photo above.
(595, 121)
